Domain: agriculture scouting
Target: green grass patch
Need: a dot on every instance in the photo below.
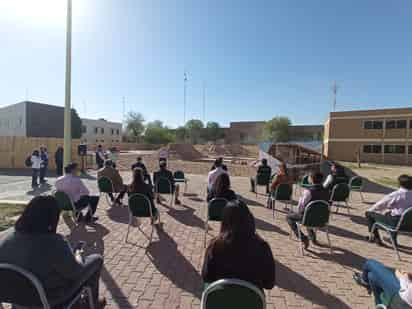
(8, 211)
(387, 181)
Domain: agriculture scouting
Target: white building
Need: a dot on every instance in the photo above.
(101, 131)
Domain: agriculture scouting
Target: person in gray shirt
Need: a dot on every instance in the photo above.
(34, 245)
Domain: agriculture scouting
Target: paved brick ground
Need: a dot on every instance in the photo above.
(165, 274)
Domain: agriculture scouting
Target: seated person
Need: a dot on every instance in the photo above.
(163, 172)
(315, 192)
(113, 174)
(281, 177)
(217, 169)
(139, 186)
(389, 209)
(34, 245)
(72, 185)
(395, 285)
(221, 189)
(265, 169)
(337, 175)
(139, 163)
(239, 252)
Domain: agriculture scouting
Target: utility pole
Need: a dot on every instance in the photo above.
(67, 102)
(335, 91)
(204, 103)
(184, 98)
(124, 108)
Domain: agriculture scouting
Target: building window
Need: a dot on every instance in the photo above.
(118, 132)
(112, 131)
(410, 124)
(401, 124)
(372, 148)
(410, 149)
(102, 130)
(96, 130)
(395, 124)
(84, 129)
(373, 124)
(398, 149)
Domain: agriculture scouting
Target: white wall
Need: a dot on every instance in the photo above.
(110, 131)
(13, 120)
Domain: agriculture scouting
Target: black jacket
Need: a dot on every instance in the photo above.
(229, 195)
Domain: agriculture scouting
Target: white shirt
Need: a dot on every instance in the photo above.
(212, 176)
(406, 290)
(397, 202)
(35, 162)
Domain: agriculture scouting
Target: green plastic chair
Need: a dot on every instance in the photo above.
(140, 207)
(304, 183)
(356, 185)
(164, 186)
(315, 217)
(262, 179)
(214, 212)
(404, 226)
(340, 194)
(179, 177)
(395, 302)
(66, 205)
(105, 186)
(283, 193)
(232, 294)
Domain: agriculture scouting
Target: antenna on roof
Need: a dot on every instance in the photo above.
(335, 91)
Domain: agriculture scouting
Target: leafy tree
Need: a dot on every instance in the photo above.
(76, 124)
(181, 134)
(155, 124)
(158, 135)
(213, 131)
(194, 129)
(135, 125)
(277, 129)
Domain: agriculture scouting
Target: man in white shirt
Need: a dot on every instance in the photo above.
(219, 168)
(390, 208)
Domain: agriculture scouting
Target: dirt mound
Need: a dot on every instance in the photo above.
(231, 150)
(182, 152)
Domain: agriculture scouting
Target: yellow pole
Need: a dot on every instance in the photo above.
(67, 103)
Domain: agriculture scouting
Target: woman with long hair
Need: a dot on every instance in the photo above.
(221, 189)
(239, 252)
(281, 177)
(34, 245)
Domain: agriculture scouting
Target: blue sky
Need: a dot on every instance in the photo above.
(258, 59)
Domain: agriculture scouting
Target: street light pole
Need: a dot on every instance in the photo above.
(67, 102)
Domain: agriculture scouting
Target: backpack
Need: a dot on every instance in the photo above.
(28, 162)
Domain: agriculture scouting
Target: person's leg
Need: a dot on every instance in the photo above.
(381, 279)
(121, 195)
(93, 202)
(312, 235)
(372, 217)
(110, 194)
(252, 184)
(41, 175)
(292, 218)
(177, 190)
(33, 177)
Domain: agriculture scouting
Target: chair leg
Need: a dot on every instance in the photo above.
(90, 297)
(394, 246)
(361, 195)
(347, 207)
(327, 236)
(128, 227)
(300, 240)
(206, 228)
(272, 204)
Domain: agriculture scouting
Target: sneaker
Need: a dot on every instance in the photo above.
(177, 202)
(376, 240)
(92, 219)
(101, 303)
(305, 242)
(359, 280)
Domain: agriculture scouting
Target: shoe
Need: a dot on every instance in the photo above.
(305, 242)
(158, 201)
(101, 303)
(376, 240)
(92, 219)
(177, 202)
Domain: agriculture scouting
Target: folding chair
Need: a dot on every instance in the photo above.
(16, 281)
(105, 185)
(283, 193)
(179, 177)
(164, 186)
(232, 294)
(214, 212)
(356, 185)
(340, 194)
(66, 204)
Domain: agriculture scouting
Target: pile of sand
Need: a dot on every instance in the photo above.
(230, 150)
(182, 152)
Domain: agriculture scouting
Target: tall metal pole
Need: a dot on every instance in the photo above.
(184, 98)
(67, 102)
(204, 103)
(335, 91)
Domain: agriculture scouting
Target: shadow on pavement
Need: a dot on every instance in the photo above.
(186, 217)
(265, 226)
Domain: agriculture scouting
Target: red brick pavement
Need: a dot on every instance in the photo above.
(166, 274)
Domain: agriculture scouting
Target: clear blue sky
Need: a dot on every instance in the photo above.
(258, 59)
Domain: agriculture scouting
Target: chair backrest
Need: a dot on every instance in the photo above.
(232, 294)
(405, 222)
(356, 182)
(179, 175)
(215, 209)
(64, 201)
(139, 205)
(316, 214)
(263, 179)
(340, 192)
(283, 192)
(164, 186)
(16, 282)
(305, 180)
(105, 184)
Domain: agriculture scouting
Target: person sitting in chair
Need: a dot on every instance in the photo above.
(281, 177)
(390, 208)
(239, 252)
(218, 168)
(315, 192)
(337, 175)
(34, 245)
(395, 286)
(139, 164)
(113, 174)
(221, 189)
(264, 169)
(72, 185)
(163, 172)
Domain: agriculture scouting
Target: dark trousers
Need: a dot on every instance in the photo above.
(43, 171)
(119, 197)
(293, 218)
(59, 168)
(253, 185)
(34, 176)
(387, 219)
(87, 200)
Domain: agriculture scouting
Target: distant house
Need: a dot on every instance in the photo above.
(101, 131)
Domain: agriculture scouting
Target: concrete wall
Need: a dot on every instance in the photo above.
(13, 120)
(112, 131)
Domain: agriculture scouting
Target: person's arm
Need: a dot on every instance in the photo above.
(383, 204)
(275, 183)
(304, 200)
(268, 268)
(82, 188)
(209, 266)
(65, 263)
(328, 181)
(118, 179)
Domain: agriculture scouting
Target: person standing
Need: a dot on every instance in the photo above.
(139, 164)
(263, 169)
(35, 167)
(58, 158)
(44, 164)
(99, 157)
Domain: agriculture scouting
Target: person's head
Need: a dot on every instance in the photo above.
(138, 178)
(221, 184)
(41, 216)
(99, 147)
(71, 168)
(108, 163)
(35, 152)
(218, 162)
(283, 169)
(162, 164)
(238, 224)
(264, 162)
(333, 168)
(139, 159)
(316, 178)
(405, 181)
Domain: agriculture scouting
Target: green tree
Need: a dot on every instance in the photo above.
(213, 131)
(158, 135)
(277, 129)
(194, 129)
(134, 125)
(181, 134)
(155, 124)
(76, 124)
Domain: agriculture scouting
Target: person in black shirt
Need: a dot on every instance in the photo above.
(239, 252)
(221, 189)
(337, 175)
(163, 172)
(139, 164)
(58, 158)
(265, 169)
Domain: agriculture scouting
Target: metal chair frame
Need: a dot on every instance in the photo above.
(181, 180)
(75, 213)
(207, 215)
(273, 199)
(338, 204)
(172, 193)
(115, 195)
(356, 188)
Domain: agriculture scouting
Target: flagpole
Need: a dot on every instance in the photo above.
(67, 102)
